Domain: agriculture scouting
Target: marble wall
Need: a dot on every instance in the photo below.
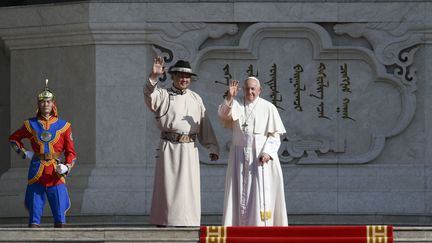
(4, 106)
(350, 80)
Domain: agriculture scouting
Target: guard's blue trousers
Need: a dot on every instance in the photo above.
(58, 199)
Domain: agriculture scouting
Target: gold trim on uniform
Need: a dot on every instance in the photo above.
(46, 124)
(57, 136)
(48, 162)
(38, 175)
(34, 137)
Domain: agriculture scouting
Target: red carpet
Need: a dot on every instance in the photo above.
(298, 234)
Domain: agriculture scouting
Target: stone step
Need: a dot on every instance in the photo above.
(152, 234)
(412, 234)
(99, 234)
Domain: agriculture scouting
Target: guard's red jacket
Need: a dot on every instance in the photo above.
(49, 139)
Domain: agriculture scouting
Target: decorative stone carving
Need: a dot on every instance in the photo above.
(394, 44)
(186, 38)
(330, 97)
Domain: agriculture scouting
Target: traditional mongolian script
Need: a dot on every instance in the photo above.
(250, 71)
(322, 83)
(297, 87)
(227, 76)
(272, 83)
(346, 90)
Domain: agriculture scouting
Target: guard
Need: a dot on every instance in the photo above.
(51, 157)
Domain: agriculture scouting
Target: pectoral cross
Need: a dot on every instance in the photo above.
(244, 126)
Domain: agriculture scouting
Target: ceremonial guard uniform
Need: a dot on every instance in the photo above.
(50, 137)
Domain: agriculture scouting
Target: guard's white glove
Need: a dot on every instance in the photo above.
(29, 154)
(61, 169)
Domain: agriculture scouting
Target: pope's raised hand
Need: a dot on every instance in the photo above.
(233, 89)
(158, 67)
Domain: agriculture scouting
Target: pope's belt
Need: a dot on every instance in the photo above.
(47, 156)
(178, 137)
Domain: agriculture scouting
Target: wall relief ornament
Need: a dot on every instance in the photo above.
(339, 104)
(394, 45)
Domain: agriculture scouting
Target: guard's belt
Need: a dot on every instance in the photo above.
(47, 156)
(178, 137)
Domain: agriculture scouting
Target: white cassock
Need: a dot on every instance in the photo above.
(251, 198)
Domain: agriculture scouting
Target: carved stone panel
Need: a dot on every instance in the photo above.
(339, 104)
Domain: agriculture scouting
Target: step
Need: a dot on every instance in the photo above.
(110, 234)
(412, 234)
(152, 234)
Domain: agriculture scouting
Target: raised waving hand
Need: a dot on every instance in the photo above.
(158, 67)
(232, 90)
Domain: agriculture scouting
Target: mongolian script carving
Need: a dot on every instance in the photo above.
(297, 87)
(272, 83)
(327, 95)
(322, 83)
(276, 96)
(346, 90)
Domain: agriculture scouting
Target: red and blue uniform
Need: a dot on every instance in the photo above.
(50, 139)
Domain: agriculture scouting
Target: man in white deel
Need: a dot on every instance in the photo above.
(254, 191)
(182, 119)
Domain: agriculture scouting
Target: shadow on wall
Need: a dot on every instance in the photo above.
(7, 3)
(4, 110)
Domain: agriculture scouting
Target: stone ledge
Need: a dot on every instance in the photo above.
(151, 234)
(412, 234)
(208, 218)
(117, 234)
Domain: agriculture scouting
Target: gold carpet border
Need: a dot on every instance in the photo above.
(376, 234)
(216, 234)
